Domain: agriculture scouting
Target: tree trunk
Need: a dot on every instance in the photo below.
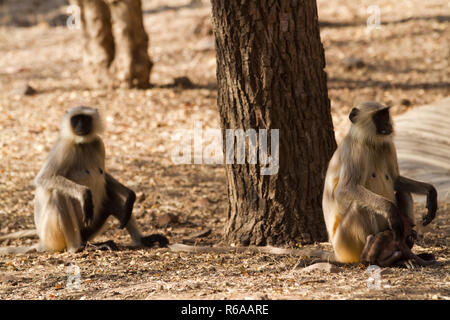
(132, 64)
(270, 75)
(98, 41)
(115, 42)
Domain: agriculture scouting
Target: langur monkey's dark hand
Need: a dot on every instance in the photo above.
(431, 206)
(128, 209)
(396, 224)
(88, 206)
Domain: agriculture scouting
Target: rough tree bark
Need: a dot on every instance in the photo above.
(98, 40)
(270, 63)
(131, 64)
(115, 42)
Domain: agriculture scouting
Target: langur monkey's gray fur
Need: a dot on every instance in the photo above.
(362, 184)
(75, 194)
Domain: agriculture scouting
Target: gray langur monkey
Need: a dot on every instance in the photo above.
(75, 194)
(363, 185)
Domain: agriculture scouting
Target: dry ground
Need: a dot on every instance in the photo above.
(406, 64)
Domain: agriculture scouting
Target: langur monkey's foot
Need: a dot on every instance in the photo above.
(107, 245)
(151, 240)
(409, 264)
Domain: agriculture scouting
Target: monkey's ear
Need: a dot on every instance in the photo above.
(353, 114)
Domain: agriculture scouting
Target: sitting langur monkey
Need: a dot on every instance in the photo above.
(74, 193)
(363, 189)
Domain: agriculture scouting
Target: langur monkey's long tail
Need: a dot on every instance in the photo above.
(31, 233)
(177, 247)
(15, 250)
(306, 252)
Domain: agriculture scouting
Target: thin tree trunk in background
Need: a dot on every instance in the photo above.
(270, 75)
(116, 43)
(132, 64)
(98, 40)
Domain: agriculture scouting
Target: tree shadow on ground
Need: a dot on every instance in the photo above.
(344, 24)
(193, 4)
(344, 83)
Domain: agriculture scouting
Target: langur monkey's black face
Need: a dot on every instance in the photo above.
(81, 124)
(371, 122)
(382, 122)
